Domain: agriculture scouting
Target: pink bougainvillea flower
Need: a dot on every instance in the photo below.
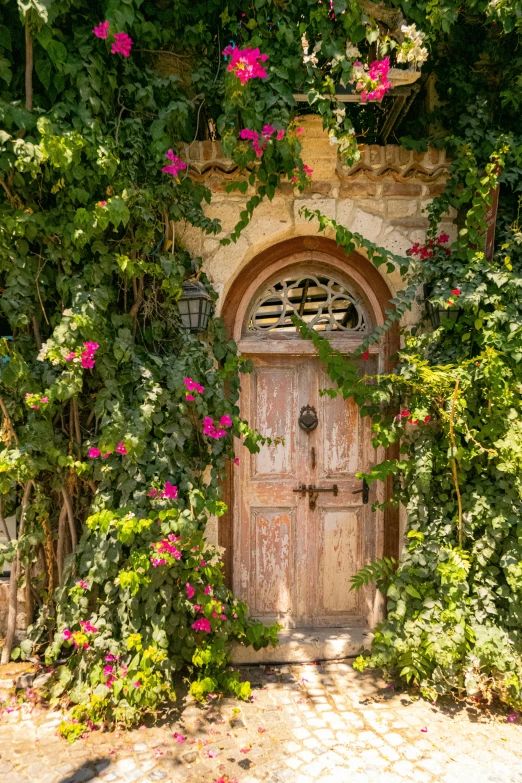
(210, 429)
(455, 291)
(236, 460)
(101, 30)
(307, 170)
(223, 617)
(443, 239)
(136, 684)
(197, 607)
(89, 350)
(107, 670)
(101, 204)
(215, 615)
(268, 130)
(212, 753)
(44, 399)
(107, 455)
(424, 730)
(234, 616)
(427, 419)
(179, 737)
(70, 356)
(94, 452)
(120, 448)
(66, 633)
(190, 590)
(511, 718)
(82, 583)
(208, 590)
(175, 166)
(87, 627)
(193, 385)
(251, 135)
(122, 44)
(202, 625)
(225, 421)
(247, 749)
(158, 561)
(152, 493)
(190, 397)
(110, 657)
(246, 63)
(170, 491)
(366, 356)
(280, 134)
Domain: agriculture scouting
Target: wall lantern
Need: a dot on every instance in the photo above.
(438, 315)
(195, 306)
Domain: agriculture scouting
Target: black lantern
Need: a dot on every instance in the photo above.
(194, 305)
(438, 314)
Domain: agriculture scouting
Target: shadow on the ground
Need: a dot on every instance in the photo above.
(88, 770)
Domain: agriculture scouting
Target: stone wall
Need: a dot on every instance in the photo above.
(383, 197)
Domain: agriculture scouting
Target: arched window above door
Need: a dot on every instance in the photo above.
(320, 297)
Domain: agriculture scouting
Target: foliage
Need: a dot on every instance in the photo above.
(453, 403)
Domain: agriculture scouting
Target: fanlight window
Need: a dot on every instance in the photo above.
(322, 302)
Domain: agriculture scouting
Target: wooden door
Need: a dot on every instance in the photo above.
(293, 563)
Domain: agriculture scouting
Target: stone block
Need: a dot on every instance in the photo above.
(368, 225)
(398, 207)
(404, 189)
(359, 188)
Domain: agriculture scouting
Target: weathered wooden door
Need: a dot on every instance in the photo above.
(294, 558)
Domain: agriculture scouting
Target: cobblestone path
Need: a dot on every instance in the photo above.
(307, 724)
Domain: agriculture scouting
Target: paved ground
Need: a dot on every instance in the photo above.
(307, 723)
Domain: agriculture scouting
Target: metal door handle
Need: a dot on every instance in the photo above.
(365, 492)
(313, 457)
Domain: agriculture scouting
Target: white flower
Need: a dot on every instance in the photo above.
(412, 50)
(352, 51)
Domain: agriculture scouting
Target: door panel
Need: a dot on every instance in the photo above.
(339, 557)
(272, 534)
(273, 393)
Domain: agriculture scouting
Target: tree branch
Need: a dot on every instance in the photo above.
(28, 68)
(70, 516)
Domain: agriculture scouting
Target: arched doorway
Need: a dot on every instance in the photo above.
(291, 553)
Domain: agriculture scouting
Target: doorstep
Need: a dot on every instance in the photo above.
(299, 645)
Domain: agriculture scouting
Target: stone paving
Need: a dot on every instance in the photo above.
(307, 723)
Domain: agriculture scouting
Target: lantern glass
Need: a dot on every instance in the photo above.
(195, 306)
(438, 314)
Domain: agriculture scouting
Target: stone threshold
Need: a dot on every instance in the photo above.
(305, 645)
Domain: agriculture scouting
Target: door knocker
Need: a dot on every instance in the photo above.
(308, 420)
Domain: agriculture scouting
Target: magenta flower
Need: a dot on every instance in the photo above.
(107, 455)
(120, 448)
(94, 453)
(202, 625)
(175, 166)
(268, 130)
(122, 44)
(110, 657)
(236, 460)
(101, 30)
(179, 737)
(225, 421)
(208, 590)
(107, 670)
(246, 63)
(87, 627)
(280, 134)
(190, 590)
(101, 204)
(66, 633)
(44, 399)
(82, 583)
(170, 491)
(203, 564)
(197, 607)
(210, 429)
(70, 356)
(158, 561)
(89, 350)
(193, 385)
(190, 397)
(137, 684)
(152, 493)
